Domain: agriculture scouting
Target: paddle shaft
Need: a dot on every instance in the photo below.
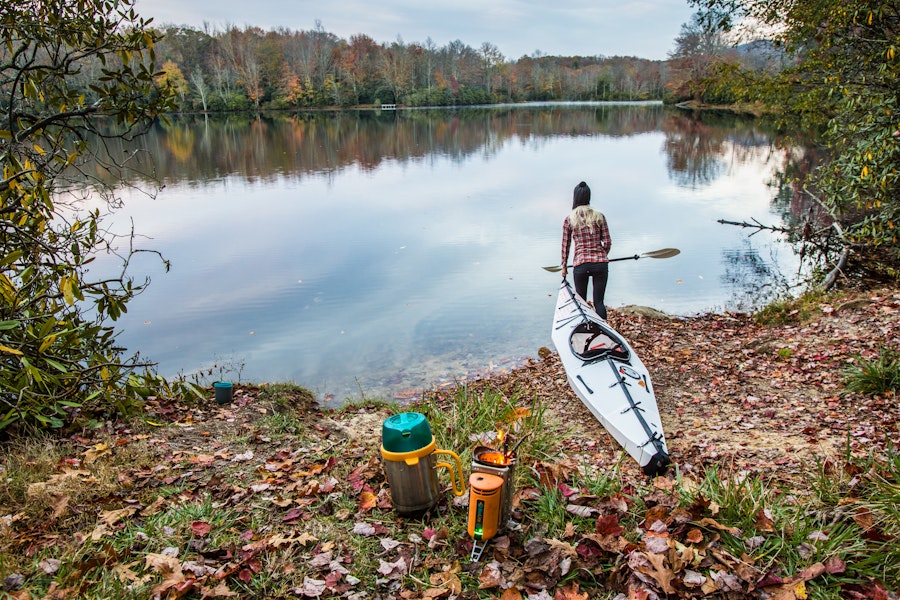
(635, 257)
(662, 253)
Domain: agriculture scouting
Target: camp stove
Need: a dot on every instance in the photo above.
(503, 465)
(493, 464)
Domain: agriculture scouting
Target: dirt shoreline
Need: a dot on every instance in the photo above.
(738, 395)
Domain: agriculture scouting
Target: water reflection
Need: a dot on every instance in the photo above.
(750, 276)
(204, 149)
(375, 252)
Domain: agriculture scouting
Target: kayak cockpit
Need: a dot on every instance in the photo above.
(591, 341)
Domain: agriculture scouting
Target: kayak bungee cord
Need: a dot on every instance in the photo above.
(660, 453)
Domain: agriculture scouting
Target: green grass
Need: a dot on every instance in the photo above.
(790, 311)
(779, 530)
(878, 375)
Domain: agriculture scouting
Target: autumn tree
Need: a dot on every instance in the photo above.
(699, 46)
(395, 69)
(198, 80)
(171, 76)
(846, 81)
(357, 67)
(491, 59)
(70, 72)
(239, 48)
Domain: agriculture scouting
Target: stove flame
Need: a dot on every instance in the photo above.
(494, 458)
(491, 456)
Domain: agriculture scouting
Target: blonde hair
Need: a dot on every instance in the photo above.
(585, 216)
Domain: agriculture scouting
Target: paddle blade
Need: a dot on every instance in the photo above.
(662, 253)
(553, 269)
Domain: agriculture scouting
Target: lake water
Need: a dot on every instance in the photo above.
(372, 254)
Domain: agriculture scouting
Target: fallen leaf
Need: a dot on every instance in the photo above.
(393, 570)
(202, 459)
(490, 576)
(693, 578)
(200, 528)
(320, 560)
(220, 591)
(764, 520)
(707, 522)
(447, 580)
(49, 565)
(153, 508)
(367, 501)
(312, 588)
(581, 511)
(512, 593)
(292, 515)
(654, 566)
(173, 577)
(609, 525)
(570, 592)
(96, 452)
(863, 517)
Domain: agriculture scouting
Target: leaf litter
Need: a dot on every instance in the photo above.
(733, 395)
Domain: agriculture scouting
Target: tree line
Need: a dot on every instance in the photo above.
(248, 68)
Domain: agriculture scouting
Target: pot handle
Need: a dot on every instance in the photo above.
(456, 475)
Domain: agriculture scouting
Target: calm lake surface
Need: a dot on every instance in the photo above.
(372, 254)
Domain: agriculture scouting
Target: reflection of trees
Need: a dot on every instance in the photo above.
(751, 278)
(694, 150)
(699, 146)
(795, 205)
(197, 148)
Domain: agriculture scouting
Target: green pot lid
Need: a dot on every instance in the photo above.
(406, 432)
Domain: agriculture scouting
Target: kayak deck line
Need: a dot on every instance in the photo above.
(638, 412)
(590, 391)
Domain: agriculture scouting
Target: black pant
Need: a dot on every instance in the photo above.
(599, 273)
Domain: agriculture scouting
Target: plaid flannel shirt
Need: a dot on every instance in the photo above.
(590, 245)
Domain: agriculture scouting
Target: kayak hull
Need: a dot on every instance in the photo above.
(608, 376)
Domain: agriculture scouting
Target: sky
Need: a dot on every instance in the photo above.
(641, 28)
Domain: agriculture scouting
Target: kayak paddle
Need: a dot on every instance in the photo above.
(661, 253)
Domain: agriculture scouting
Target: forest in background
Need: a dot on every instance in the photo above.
(252, 69)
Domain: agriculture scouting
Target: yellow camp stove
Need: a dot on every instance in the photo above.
(490, 495)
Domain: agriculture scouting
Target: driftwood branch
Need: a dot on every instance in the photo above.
(757, 225)
(831, 278)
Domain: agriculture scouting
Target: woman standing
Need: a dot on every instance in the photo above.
(587, 228)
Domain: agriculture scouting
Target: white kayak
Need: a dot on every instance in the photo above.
(609, 377)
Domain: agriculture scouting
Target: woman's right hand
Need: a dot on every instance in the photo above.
(565, 271)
